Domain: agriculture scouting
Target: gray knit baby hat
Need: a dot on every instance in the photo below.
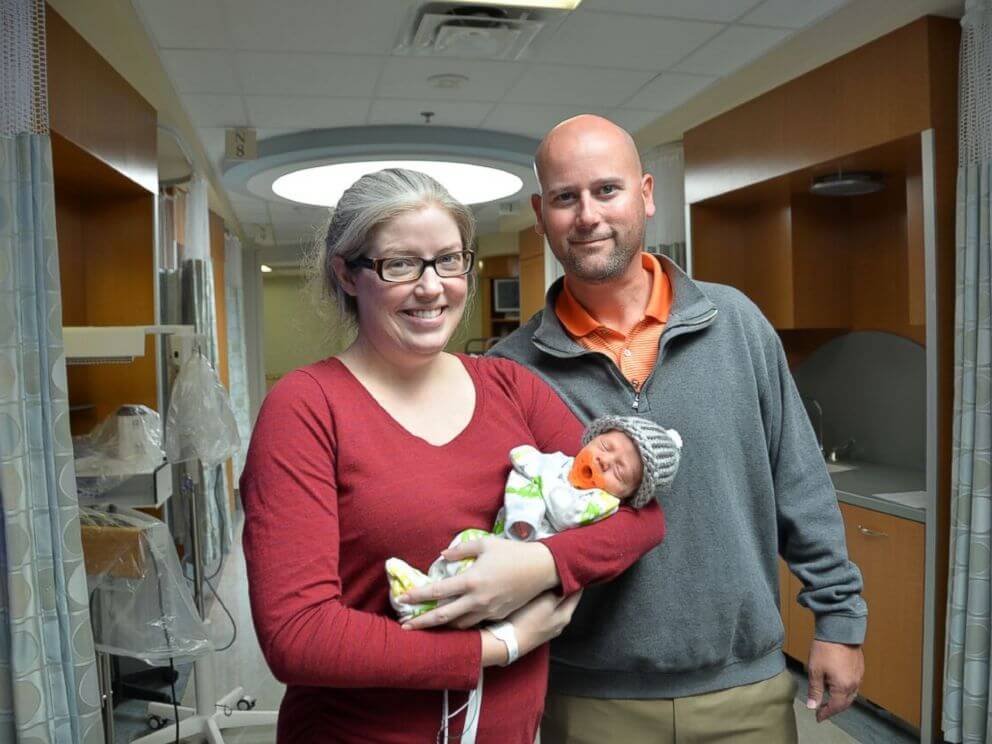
(660, 448)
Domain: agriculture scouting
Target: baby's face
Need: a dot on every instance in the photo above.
(614, 463)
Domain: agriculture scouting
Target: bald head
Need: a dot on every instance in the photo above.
(584, 134)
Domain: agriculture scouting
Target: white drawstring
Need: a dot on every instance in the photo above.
(473, 710)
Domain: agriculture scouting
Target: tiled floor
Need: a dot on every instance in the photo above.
(243, 664)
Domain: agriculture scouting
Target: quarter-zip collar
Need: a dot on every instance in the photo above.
(691, 310)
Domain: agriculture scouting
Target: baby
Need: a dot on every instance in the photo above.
(622, 458)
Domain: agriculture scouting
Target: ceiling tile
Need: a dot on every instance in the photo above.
(567, 84)
(288, 233)
(213, 141)
(201, 71)
(631, 119)
(215, 111)
(366, 27)
(446, 113)
(251, 213)
(668, 90)
(406, 77)
(530, 119)
(791, 13)
(732, 49)
(169, 23)
(723, 11)
(296, 112)
(635, 42)
(276, 73)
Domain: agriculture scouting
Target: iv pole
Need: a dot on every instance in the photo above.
(212, 714)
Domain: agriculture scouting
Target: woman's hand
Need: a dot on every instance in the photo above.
(542, 619)
(505, 576)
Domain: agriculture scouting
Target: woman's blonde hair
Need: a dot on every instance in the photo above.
(370, 202)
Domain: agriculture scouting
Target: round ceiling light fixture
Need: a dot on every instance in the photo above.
(847, 183)
(315, 167)
(323, 185)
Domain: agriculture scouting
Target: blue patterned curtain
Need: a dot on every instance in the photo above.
(48, 681)
(237, 364)
(966, 666)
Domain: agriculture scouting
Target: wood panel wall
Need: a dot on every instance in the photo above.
(531, 273)
(870, 96)
(91, 105)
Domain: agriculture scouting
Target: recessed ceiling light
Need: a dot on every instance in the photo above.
(471, 184)
(552, 4)
(265, 268)
(314, 167)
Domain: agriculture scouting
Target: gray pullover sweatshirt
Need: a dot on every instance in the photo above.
(699, 613)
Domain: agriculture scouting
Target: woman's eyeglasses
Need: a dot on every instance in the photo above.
(411, 268)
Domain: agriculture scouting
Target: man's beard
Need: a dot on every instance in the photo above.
(599, 268)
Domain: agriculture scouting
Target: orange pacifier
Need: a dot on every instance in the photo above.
(585, 473)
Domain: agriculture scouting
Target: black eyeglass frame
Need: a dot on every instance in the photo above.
(376, 264)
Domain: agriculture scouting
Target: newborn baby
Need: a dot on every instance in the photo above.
(622, 458)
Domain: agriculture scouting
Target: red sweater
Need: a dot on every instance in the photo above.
(333, 487)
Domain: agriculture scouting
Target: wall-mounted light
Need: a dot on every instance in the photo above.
(265, 269)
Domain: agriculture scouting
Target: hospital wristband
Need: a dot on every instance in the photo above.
(505, 632)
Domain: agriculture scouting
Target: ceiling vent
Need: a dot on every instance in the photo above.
(473, 31)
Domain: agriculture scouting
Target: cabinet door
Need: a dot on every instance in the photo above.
(889, 551)
(785, 599)
(801, 625)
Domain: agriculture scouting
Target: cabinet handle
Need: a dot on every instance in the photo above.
(871, 533)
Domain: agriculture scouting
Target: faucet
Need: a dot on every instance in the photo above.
(838, 450)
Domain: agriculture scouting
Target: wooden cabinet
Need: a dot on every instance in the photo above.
(889, 552)
(104, 166)
(815, 262)
(496, 324)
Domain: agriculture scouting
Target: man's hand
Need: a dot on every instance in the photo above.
(505, 576)
(838, 669)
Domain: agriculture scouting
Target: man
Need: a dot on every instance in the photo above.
(686, 645)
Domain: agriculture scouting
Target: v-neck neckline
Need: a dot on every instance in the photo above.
(476, 412)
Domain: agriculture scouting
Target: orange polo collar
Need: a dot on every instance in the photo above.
(578, 322)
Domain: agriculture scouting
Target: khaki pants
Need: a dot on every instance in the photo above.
(761, 713)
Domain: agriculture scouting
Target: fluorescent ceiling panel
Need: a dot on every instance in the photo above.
(723, 11)
(324, 184)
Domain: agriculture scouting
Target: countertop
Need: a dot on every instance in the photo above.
(897, 491)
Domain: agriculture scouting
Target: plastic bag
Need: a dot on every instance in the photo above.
(119, 447)
(140, 602)
(200, 422)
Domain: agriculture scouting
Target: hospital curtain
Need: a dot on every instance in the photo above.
(199, 310)
(966, 666)
(237, 365)
(48, 682)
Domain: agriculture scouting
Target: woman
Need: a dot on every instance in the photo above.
(391, 448)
